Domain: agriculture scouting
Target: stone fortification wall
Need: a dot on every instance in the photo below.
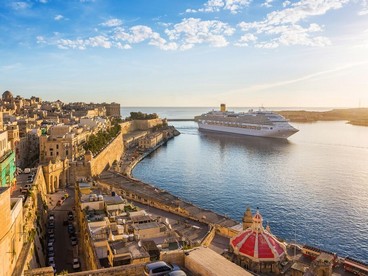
(226, 231)
(96, 165)
(105, 158)
(139, 125)
(78, 170)
(127, 127)
(126, 270)
(146, 124)
(209, 237)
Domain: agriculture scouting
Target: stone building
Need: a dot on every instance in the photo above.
(256, 249)
(63, 142)
(56, 174)
(11, 231)
(112, 109)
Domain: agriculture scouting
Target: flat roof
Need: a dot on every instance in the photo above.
(147, 225)
(214, 263)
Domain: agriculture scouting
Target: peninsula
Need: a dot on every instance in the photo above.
(354, 116)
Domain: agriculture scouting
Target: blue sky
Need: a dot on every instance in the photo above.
(187, 53)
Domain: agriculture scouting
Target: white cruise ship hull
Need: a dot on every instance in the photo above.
(275, 132)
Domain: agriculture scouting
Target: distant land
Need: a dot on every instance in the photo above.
(354, 116)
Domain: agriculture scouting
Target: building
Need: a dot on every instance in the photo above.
(112, 109)
(150, 141)
(11, 231)
(64, 142)
(256, 249)
(7, 161)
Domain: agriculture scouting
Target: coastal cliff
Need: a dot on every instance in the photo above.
(354, 116)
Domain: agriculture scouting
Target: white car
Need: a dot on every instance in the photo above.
(76, 263)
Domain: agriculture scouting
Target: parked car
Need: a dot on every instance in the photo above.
(176, 273)
(51, 262)
(26, 188)
(51, 216)
(50, 231)
(30, 178)
(27, 170)
(76, 263)
(50, 251)
(159, 268)
(74, 240)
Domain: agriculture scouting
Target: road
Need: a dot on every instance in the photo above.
(64, 251)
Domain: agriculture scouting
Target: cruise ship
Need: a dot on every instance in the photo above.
(252, 123)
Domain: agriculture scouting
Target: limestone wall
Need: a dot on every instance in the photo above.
(139, 125)
(226, 231)
(173, 257)
(105, 158)
(209, 237)
(78, 170)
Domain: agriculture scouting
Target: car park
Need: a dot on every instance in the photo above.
(159, 268)
(76, 264)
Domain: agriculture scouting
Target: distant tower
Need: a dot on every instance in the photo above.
(223, 107)
(247, 219)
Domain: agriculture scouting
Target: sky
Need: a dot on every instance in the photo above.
(306, 53)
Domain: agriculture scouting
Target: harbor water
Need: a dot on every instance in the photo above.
(312, 188)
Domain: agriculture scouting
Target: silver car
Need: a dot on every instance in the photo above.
(159, 268)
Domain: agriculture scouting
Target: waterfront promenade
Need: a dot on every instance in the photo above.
(149, 195)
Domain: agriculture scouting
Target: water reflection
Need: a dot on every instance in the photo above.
(249, 143)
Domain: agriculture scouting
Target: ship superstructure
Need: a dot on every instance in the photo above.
(253, 123)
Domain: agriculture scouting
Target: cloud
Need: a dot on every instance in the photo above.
(286, 3)
(234, 6)
(364, 10)
(82, 44)
(284, 27)
(193, 31)
(20, 5)
(244, 39)
(140, 33)
(303, 78)
(112, 23)
(58, 17)
(267, 4)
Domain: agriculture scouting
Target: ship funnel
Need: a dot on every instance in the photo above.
(223, 107)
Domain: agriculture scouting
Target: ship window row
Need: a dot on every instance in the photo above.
(235, 125)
